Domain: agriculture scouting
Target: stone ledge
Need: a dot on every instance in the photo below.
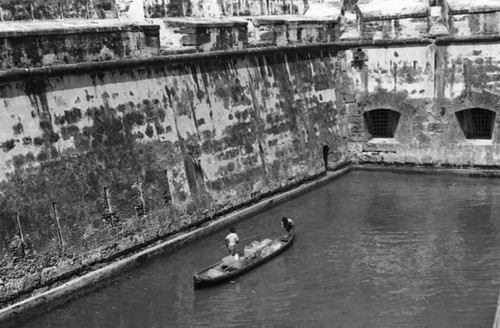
(391, 9)
(48, 43)
(379, 145)
(203, 34)
(235, 33)
(186, 55)
(330, 9)
(431, 169)
(447, 40)
(458, 7)
(179, 56)
(286, 19)
(22, 10)
(291, 29)
(53, 27)
(203, 22)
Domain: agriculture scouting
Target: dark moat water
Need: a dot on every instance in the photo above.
(373, 250)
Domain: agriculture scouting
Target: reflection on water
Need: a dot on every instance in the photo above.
(373, 250)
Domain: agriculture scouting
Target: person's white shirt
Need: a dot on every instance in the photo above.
(289, 222)
(232, 239)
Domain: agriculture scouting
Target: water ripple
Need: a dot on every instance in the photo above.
(373, 250)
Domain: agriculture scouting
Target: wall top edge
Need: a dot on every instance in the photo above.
(204, 22)
(148, 63)
(394, 16)
(284, 19)
(468, 39)
(52, 27)
(473, 11)
(470, 7)
(393, 8)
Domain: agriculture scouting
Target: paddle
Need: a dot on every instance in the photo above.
(242, 240)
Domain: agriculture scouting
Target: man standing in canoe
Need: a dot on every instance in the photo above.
(288, 225)
(232, 241)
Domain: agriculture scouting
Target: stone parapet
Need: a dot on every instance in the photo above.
(47, 43)
(55, 9)
(291, 29)
(235, 33)
(392, 19)
(469, 7)
(204, 34)
(480, 17)
(393, 9)
(221, 8)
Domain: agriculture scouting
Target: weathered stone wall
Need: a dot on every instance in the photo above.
(56, 9)
(473, 18)
(427, 84)
(213, 8)
(204, 34)
(107, 9)
(395, 28)
(93, 164)
(212, 34)
(444, 63)
(99, 159)
(393, 19)
(35, 44)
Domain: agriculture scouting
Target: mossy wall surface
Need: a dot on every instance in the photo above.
(427, 85)
(56, 9)
(118, 157)
(94, 164)
(39, 44)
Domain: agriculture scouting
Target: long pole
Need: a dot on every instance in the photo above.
(108, 204)
(141, 197)
(20, 228)
(59, 231)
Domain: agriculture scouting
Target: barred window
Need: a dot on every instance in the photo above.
(476, 123)
(382, 123)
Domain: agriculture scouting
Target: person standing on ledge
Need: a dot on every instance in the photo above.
(288, 225)
(232, 241)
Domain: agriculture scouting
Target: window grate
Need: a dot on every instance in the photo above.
(476, 123)
(382, 123)
(482, 123)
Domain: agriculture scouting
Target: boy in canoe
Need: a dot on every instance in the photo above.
(288, 225)
(232, 241)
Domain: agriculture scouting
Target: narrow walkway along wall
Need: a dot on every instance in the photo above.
(96, 163)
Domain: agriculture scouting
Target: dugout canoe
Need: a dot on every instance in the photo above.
(203, 279)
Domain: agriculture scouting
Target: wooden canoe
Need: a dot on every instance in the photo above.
(225, 273)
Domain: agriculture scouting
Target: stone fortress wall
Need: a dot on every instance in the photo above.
(124, 122)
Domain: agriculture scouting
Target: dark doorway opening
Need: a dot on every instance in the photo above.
(326, 151)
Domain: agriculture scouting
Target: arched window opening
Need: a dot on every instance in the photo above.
(382, 123)
(476, 123)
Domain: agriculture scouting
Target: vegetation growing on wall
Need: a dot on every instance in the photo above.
(119, 158)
